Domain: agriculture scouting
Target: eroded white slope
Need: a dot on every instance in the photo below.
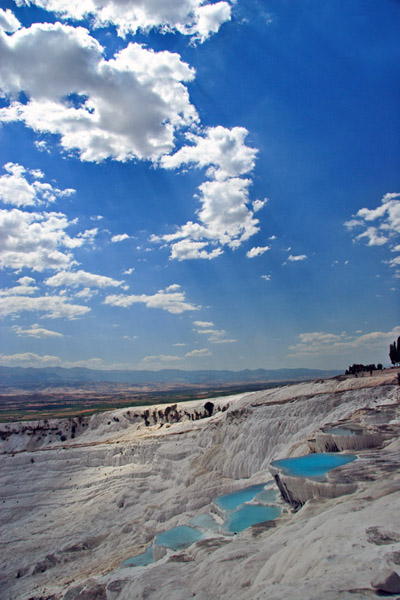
(73, 510)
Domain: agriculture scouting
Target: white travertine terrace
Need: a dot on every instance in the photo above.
(73, 509)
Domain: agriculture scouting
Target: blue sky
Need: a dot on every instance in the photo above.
(199, 185)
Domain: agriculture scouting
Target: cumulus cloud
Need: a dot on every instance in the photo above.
(8, 21)
(386, 227)
(222, 150)
(297, 257)
(120, 237)
(224, 220)
(203, 323)
(215, 336)
(24, 187)
(29, 359)
(38, 241)
(322, 343)
(257, 251)
(81, 278)
(225, 216)
(123, 108)
(35, 331)
(258, 205)
(198, 353)
(188, 17)
(52, 307)
(26, 287)
(266, 277)
(172, 301)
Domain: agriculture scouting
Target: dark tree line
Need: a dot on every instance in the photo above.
(394, 352)
(356, 369)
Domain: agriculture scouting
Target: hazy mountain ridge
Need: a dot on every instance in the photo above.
(60, 375)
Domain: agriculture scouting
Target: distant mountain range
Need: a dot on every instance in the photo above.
(21, 376)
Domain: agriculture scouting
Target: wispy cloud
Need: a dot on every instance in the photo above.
(257, 251)
(81, 278)
(35, 331)
(120, 237)
(322, 343)
(171, 300)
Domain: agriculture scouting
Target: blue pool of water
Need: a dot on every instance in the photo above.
(141, 560)
(267, 496)
(205, 521)
(250, 514)
(233, 500)
(178, 538)
(313, 465)
(341, 431)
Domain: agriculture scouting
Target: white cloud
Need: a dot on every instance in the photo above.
(29, 359)
(297, 257)
(187, 249)
(224, 220)
(172, 301)
(188, 17)
(198, 353)
(161, 358)
(120, 237)
(16, 189)
(258, 205)
(321, 343)
(52, 306)
(26, 287)
(203, 323)
(224, 217)
(266, 277)
(387, 227)
(88, 280)
(223, 150)
(8, 21)
(126, 107)
(215, 336)
(35, 331)
(257, 251)
(38, 241)
(128, 271)
(272, 237)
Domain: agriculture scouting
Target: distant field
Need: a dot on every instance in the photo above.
(27, 405)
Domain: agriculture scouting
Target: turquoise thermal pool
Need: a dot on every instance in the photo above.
(342, 431)
(315, 466)
(233, 500)
(250, 514)
(141, 560)
(178, 538)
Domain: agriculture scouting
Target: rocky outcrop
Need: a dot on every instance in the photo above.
(297, 490)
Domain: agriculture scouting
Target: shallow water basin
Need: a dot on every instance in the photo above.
(141, 560)
(233, 500)
(342, 431)
(314, 466)
(205, 521)
(178, 538)
(250, 514)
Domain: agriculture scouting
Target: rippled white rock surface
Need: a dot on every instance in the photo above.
(74, 509)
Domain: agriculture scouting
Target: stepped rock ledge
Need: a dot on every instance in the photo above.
(79, 496)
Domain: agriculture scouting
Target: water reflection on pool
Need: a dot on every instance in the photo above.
(141, 560)
(250, 514)
(235, 499)
(315, 466)
(178, 538)
(342, 431)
